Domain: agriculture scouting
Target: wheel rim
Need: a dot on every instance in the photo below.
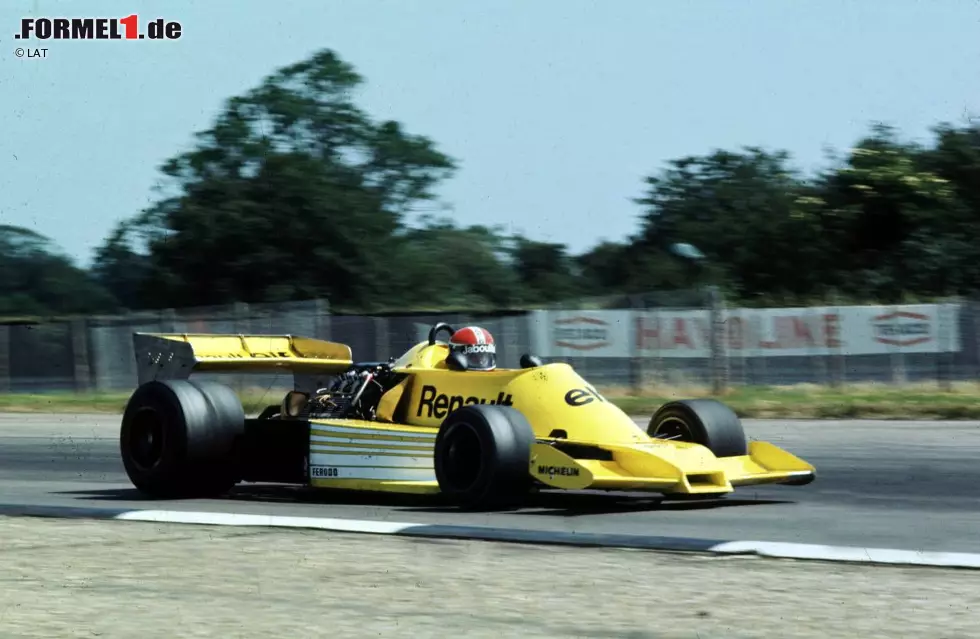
(146, 439)
(673, 428)
(464, 458)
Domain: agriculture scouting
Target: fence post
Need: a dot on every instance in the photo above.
(168, 320)
(837, 362)
(899, 373)
(510, 352)
(637, 370)
(658, 363)
(381, 339)
(946, 309)
(975, 355)
(322, 320)
(4, 358)
(719, 362)
(81, 363)
(241, 318)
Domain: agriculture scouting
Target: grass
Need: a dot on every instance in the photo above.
(61, 402)
(254, 400)
(855, 401)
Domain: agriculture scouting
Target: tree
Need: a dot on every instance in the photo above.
(893, 219)
(546, 271)
(119, 268)
(956, 159)
(444, 266)
(36, 279)
(754, 218)
(896, 227)
(293, 193)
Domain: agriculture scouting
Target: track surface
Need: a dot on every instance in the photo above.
(903, 485)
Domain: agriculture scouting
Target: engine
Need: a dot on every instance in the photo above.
(354, 394)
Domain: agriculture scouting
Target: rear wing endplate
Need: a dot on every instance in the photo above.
(162, 356)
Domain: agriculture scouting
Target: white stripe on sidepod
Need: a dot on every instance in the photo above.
(355, 431)
(325, 458)
(379, 444)
(849, 554)
(385, 452)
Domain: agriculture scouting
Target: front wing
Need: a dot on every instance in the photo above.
(664, 466)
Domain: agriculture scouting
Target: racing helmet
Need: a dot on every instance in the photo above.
(472, 348)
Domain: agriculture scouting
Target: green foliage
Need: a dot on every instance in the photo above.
(37, 280)
(748, 213)
(889, 219)
(442, 266)
(545, 271)
(295, 192)
(892, 221)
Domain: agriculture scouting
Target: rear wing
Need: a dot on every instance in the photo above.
(176, 355)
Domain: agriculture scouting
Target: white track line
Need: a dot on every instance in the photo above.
(646, 542)
(273, 521)
(850, 554)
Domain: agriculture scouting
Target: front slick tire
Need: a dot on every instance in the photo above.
(178, 438)
(483, 456)
(702, 421)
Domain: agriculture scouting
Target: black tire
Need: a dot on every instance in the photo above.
(178, 438)
(702, 421)
(483, 456)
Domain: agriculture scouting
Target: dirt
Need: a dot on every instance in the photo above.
(77, 578)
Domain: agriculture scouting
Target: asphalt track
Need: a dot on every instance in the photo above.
(901, 485)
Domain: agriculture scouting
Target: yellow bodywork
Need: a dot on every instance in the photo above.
(681, 468)
(395, 452)
(430, 391)
(246, 353)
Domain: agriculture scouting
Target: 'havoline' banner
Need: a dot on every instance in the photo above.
(771, 332)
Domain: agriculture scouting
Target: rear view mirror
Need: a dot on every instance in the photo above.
(294, 403)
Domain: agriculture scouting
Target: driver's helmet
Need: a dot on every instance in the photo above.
(472, 348)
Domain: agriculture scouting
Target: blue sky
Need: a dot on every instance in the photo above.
(555, 109)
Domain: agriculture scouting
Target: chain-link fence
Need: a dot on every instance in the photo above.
(108, 362)
(35, 355)
(685, 338)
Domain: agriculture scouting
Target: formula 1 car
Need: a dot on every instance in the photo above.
(414, 425)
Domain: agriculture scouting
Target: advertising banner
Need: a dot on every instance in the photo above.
(769, 332)
(581, 333)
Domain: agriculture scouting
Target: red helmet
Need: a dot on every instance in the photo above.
(472, 348)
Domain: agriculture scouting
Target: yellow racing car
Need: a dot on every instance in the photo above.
(423, 423)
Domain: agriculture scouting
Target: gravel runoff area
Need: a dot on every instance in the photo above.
(80, 578)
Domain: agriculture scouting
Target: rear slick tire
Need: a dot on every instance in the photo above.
(179, 438)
